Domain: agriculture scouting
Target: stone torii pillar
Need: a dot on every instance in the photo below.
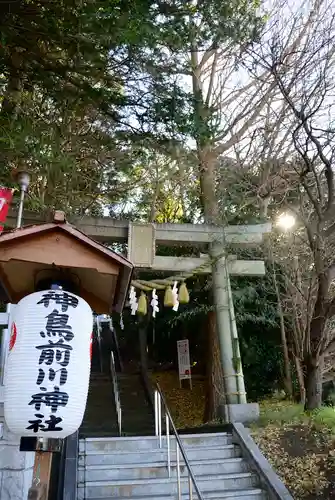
(236, 407)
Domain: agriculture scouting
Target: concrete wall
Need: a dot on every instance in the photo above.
(16, 467)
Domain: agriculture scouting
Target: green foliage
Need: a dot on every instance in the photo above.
(65, 48)
(69, 74)
(95, 101)
(89, 89)
(280, 412)
(186, 28)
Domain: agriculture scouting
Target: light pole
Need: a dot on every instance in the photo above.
(22, 177)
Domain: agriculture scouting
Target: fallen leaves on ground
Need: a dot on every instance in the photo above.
(186, 405)
(300, 451)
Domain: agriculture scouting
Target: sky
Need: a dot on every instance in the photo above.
(287, 17)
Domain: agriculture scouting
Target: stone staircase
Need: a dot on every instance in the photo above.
(100, 415)
(137, 414)
(100, 418)
(135, 467)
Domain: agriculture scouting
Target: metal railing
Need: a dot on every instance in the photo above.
(116, 393)
(192, 483)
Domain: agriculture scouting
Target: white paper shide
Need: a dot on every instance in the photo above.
(48, 367)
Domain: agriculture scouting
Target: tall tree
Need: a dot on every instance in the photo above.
(304, 82)
(67, 87)
(187, 99)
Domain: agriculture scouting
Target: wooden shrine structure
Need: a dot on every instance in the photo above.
(32, 258)
(58, 249)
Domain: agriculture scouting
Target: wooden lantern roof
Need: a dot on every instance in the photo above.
(28, 253)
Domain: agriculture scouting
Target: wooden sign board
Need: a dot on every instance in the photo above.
(184, 364)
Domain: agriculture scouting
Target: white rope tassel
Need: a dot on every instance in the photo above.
(175, 296)
(154, 303)
(133, 301)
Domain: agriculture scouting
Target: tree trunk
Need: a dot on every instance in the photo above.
(215, 388)
(287, 365)
(313, 384)
(300, 377)
(207, 162)
(207, 185)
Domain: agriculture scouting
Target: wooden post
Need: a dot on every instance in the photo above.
(41, 476)
(37, 492)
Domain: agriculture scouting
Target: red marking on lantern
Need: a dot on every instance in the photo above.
(13, 335)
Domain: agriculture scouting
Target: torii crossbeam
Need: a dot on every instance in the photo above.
(143, 238)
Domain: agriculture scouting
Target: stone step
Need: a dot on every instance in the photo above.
(145, 413)
(93, 405)
(100, 399)
(109, 420)
(95, 395)
(199, 440)
(102, 428)
(133, 488)
(135, 404)
(98, 433)
(100, 417)
(139, 427)
(100, 414)
(151, 442)
(138, 418)
(102, 383)
(100, 376)
(97, 456)
(160, 470)
(98, 386)
(136, 432)
(253, 494)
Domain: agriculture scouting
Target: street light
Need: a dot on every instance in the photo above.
(286, 221)
(22, 177)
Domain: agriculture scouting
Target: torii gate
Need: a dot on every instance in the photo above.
(142, 240)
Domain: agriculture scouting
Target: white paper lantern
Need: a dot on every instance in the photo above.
(48, 367)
